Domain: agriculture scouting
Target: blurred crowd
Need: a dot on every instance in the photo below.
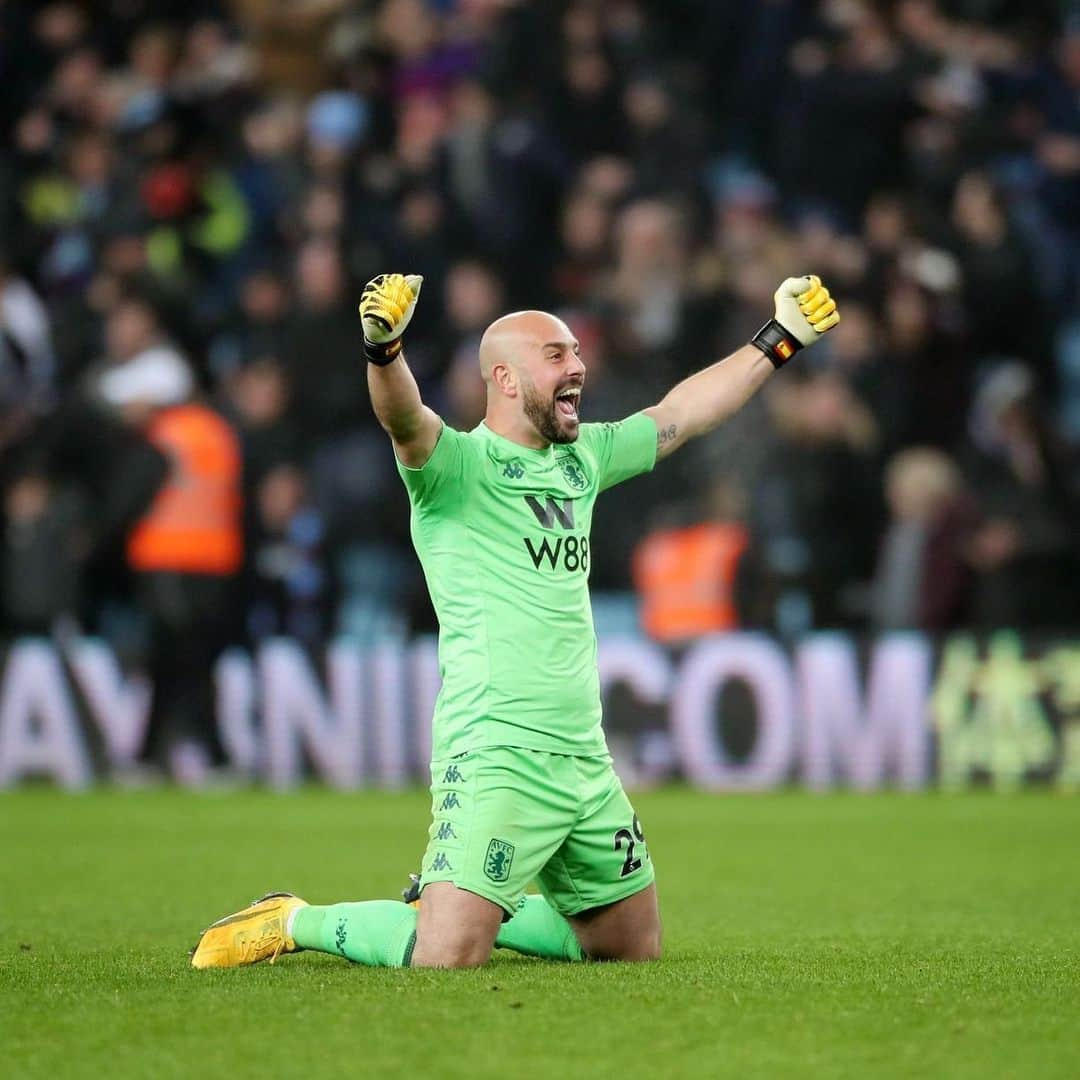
(192, 195)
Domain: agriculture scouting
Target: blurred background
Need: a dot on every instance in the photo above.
(192, 195)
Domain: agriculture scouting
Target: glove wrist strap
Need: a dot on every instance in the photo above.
(776, 343)
(383, 353)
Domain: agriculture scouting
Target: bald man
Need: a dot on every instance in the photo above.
(522, 784)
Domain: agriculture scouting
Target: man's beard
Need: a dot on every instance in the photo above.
(544, 417)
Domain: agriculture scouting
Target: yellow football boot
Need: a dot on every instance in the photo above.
(411, 895)
(254, 934)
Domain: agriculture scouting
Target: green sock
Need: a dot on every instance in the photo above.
(378, 933)
(537, 929)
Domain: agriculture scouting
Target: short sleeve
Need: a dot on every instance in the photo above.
(439, 481)
(623, 449)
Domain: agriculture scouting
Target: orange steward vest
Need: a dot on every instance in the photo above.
(193, 525)
(685, 578)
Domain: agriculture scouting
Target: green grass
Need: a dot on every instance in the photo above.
(928, 936)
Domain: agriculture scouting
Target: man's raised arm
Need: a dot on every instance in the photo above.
(386, 306)
(804, 311)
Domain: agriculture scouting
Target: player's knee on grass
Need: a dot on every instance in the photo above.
(449, 954)
(645, 947)
(628, 930)
(455, 928)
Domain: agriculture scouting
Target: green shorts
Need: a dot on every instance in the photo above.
(503, 817)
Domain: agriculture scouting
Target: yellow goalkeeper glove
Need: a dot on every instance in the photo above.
(386, 306)
(804, 311)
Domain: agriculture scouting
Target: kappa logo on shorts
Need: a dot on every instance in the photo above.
(500, 855)
(446, 832)
(450, 802)
(453, 776)
(440, 862)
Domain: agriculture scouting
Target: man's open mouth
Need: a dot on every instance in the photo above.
(566, 402)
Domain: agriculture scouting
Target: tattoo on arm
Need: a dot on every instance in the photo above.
(665, 436)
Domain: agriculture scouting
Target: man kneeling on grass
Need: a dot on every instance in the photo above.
(522, 783)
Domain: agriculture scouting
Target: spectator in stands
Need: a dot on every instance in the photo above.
(138, 354)
(474, 298)
(1001, 299)
(186, 551)
(585, 238)
(685, 574)
(320, 347)
(40, 556)
(75, 478)
(1025, 550)
(814, 510)
(923, 575)
(644, 294)
(350, 461)
(256, 398)
(289, 584)
(257, 325)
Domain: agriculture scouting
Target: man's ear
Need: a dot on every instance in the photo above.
(505, 379)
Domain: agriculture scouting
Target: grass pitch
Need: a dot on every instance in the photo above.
(841, 935)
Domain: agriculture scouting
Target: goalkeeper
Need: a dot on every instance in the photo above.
(522, 783)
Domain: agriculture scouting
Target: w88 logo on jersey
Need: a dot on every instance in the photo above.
(561, 552)
(568, 551)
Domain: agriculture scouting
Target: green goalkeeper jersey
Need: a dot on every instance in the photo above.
(502, 532)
